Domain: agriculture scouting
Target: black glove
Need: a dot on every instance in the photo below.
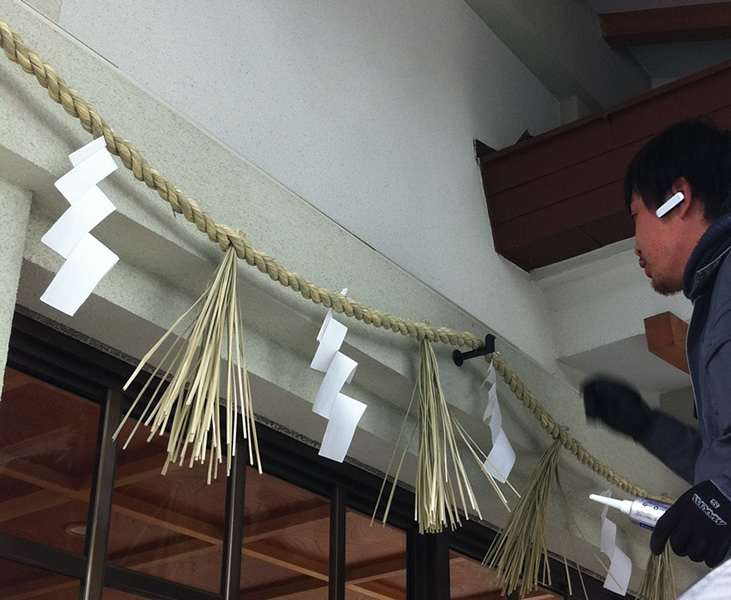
(617, 404)
(698, 525)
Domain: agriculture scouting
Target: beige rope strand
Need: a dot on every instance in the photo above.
(559, 431)
(224, 236)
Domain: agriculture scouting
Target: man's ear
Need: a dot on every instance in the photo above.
(682, 186)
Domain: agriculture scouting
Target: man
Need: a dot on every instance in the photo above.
(678, 190)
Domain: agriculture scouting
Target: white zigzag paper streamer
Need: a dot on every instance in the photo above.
(87, 259)
(620, 566)
(342, 412)
(501, 459)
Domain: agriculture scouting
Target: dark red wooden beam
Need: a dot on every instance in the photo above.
(700, 22)
(559, 194)
(666, 339)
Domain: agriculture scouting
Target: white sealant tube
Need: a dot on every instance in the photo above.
(643, 511)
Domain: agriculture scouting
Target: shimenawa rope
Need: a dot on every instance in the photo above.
(225, 236)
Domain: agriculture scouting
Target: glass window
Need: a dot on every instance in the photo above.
(469, 579)
(168, 526)
(19, 581)
(375, 558)
(172, 527)
(109, 594)
(47, 447)
(286, 540)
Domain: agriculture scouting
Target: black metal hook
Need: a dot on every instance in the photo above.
(489, 347)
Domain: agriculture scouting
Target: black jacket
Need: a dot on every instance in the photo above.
(704, 453)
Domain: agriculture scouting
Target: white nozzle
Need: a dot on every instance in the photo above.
(623, 505)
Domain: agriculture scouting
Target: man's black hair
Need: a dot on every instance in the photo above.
(695, 149)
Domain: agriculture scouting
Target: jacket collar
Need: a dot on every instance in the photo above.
(706, 257)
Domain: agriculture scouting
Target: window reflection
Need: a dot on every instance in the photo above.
(286, 540)
(47, 447)
(172, 526)
(168, 526)
(375, 558)
(109, 594)
(19, 581)
(468, 579)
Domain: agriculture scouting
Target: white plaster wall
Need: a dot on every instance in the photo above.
(561, 42)
(597, 304)
(366, 109)
(604, 300)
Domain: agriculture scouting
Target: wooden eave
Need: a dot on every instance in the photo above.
(691, 23)
(559, 195)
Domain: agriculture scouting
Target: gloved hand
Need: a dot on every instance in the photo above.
(698, 525)
(617, 404)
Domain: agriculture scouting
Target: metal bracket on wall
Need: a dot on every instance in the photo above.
(489, 347)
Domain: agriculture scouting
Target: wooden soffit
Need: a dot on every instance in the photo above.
(689, 23)
(559, 195)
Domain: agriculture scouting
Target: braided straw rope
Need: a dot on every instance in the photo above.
(557, 431)
(224, 236)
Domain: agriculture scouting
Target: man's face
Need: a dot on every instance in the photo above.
(656, 244)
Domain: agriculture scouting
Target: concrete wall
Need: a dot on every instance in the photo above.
(367, 110)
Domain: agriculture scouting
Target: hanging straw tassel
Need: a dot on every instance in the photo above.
(193, 367)
(439, 463)
(658, 583)
(436, 502)
(518, 551)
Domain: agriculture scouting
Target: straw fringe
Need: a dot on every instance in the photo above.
(442, 485)
(519, 550)
(658, 583)
(191, 401)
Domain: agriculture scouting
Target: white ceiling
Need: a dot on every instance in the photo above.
(561, 43)
(667, 62)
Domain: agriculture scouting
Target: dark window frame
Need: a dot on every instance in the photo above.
(65, 361)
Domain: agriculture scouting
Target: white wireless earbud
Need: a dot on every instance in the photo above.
(670, 204)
